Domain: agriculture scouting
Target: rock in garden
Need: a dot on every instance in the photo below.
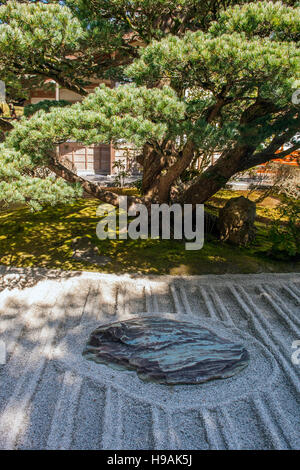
(166, 351)
(236, 221)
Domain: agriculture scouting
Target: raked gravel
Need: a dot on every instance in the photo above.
(53, 398)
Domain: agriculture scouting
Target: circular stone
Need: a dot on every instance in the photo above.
(166, 351)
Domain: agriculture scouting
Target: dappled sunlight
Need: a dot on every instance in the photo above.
(44, 239)
(216, 258)
(46, 327)
(182, 270)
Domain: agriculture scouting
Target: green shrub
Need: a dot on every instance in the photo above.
(285, 237)
(44, 105)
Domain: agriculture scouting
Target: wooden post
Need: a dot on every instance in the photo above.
(112, 157)
(57, 93)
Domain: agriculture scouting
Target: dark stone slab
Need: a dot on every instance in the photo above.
(236, 221)
(166, 351)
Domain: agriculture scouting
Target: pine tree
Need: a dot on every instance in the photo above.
(197, 80)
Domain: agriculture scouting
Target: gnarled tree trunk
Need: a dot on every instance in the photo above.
(162, 169)
(217, 175)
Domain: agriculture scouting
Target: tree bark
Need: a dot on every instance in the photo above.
(242, 157)
(156, 183)
(153, 164)
(239, 159)
(89, 187)
(217, 175)
(174, 172)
